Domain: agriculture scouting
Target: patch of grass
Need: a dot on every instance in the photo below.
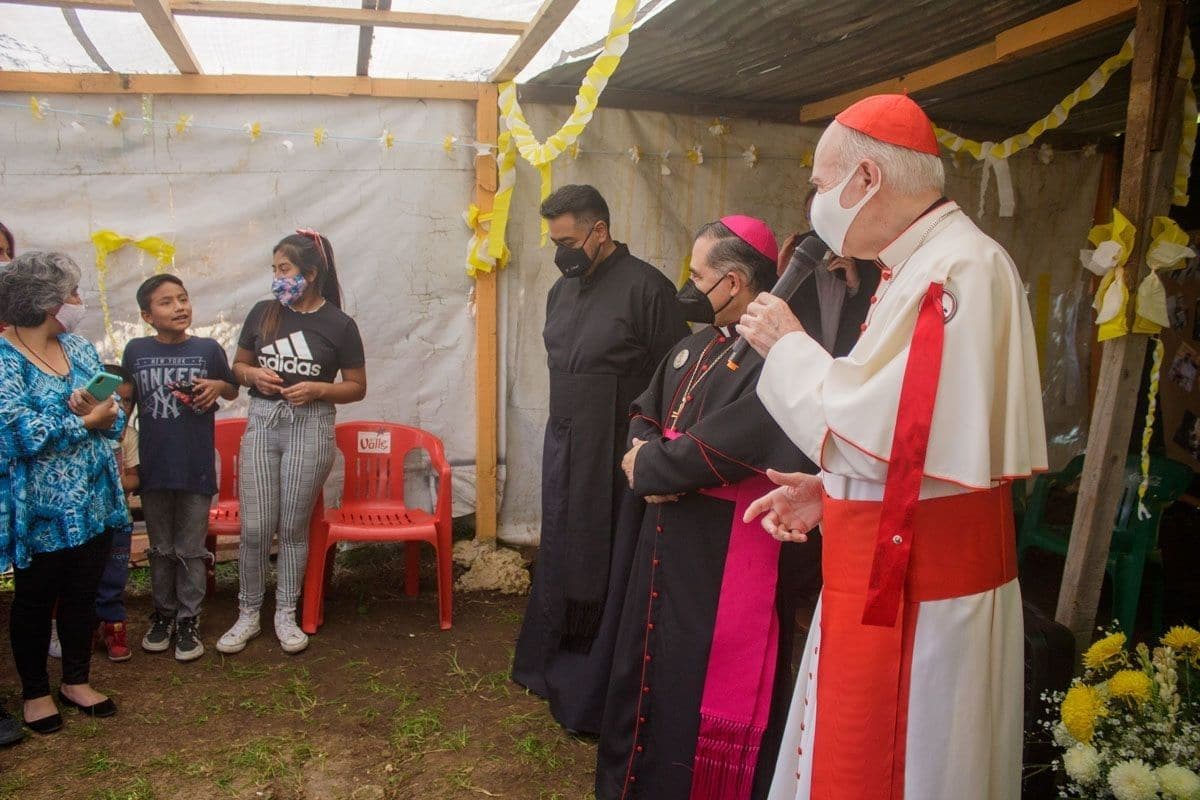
(11, 786)
(6, 587)
(471, 682)
(174, 763)
(297, 695)
(404, 696)
(267, 758)
(241, 671)
(412, 732)
(138, 584)
(84, 728)
(534, 749)
(136, 789)
(98, 763)
(456, 741)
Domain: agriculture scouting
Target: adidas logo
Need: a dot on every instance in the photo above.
(290, 354)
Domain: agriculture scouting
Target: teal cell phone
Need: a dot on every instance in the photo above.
(103, 384)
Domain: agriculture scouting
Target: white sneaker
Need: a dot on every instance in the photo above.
(55, 644)
(291, 638)
(245, 629)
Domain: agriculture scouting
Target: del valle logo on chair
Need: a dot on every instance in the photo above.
(375, 442)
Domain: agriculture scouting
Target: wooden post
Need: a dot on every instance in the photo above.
(1145, 191)
(487, 125)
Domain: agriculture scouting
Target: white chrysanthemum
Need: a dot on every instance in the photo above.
(1082, 763)
(1178, 783)
(1063, 737)
(1133, 780)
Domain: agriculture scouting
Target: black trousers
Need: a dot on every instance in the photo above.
(69, 578)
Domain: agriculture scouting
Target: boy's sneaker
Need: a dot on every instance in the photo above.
(187, 639)
(291, 638)
(115, 638)
(55, 644)
(158, 638)
(245, 629)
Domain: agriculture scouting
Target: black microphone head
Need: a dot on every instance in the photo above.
(812, 249)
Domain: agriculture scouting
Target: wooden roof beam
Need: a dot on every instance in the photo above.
(157, 14)
(1042, 33)
(115, 83)
(238, 9)
(545, 22)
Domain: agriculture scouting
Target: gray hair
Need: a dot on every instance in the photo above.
(34, 283)
(906, 171)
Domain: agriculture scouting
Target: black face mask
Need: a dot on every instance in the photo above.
(573, 262)
(696, 307)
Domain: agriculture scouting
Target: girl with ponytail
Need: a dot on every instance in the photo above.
(290, 353)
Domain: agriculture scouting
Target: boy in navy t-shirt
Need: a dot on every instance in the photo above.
(179, 379)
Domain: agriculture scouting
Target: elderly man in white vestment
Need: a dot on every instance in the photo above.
(911, 681)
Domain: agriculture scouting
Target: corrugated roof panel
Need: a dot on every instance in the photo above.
(38, 40)
(799, 50)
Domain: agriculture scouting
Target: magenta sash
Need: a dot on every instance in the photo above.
(740, 677)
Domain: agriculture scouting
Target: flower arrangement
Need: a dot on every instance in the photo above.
(1129, 729)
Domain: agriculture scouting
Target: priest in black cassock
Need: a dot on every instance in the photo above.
(610, 319)
(701, 670)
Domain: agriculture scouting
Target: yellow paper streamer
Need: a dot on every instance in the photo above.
(1168, 251)
(1057, 116)
(37, 107)
(542, 154)
(1151, 398)
(1112, 297)
(318, 136)
(106, 242)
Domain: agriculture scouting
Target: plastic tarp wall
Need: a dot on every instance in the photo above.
(394, 219)
(657, 204)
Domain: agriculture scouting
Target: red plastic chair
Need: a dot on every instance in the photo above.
(373, 510)
(225, 517)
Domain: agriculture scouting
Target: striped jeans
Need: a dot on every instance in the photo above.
(285, 457)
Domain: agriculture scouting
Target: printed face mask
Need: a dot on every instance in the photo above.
(69, 315)
(830, 220)
(288, 290)
(573, 262)
(696, 305)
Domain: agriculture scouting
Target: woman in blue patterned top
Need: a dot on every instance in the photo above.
(60, 494)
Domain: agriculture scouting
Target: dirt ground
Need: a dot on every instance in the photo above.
(382, 705)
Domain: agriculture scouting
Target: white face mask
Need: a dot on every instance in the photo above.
(70, 315)
(830, 220)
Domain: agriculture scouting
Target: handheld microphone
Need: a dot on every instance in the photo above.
(800, 268)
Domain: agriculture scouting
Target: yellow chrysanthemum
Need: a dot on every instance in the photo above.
(1105, 652)
(1131, 684)
(1080, 709)
(1183, 639)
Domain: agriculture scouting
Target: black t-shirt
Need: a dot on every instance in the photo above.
(175, 443)
(306, 347)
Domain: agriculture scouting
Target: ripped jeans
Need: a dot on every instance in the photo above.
(177, 524)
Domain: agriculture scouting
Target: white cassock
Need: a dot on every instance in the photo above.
(911, 684)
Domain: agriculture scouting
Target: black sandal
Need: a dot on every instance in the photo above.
(45, 725)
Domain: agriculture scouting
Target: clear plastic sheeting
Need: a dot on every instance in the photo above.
(441, 55)
(41, 40)
(270, 47)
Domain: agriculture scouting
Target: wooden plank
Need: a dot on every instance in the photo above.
(115, 83)
(236, 9)
(543, 25)
(487, 128)
(366, 36)
(1061, 26)
(1106, 198)
(1048, 30)
(157, 14)
(1145, 191)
